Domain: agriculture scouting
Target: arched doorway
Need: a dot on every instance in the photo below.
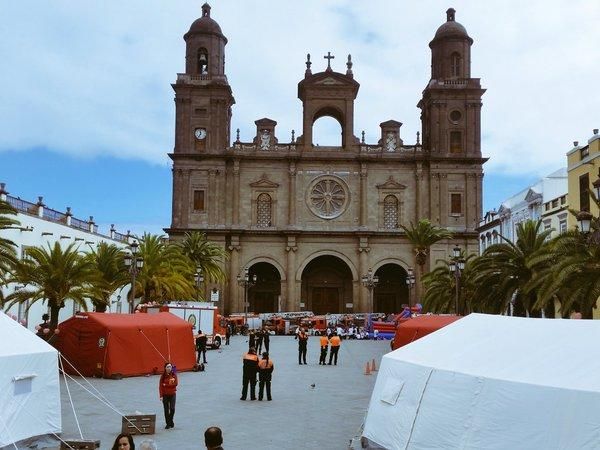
(391, 292)
(263, 297)
(326, 285)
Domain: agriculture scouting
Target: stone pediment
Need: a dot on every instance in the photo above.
(329, 81)
(264, 182)
(391, 184)
(335, 80)
(533, 196)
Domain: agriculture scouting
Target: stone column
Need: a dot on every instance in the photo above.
(212, 196)
(236, 193)
(418, 193)
(443, 199)
(291, 301)
(235, 292)
(177, 193)
(292, 196)
(363, 196)
(185, 199)
(363, 267)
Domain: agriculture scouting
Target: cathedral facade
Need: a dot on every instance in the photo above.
(310, 221)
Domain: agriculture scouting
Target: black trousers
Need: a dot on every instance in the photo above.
(226, 339)
(259, 347)
(249, 380)
(266, 346)
(333, 355)
(302, 355)
(323, 355)
(169, 407)
(203, 353)
(261, 388)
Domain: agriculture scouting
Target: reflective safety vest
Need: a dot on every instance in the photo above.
(335, 341)
(324, 341)
(265, 364)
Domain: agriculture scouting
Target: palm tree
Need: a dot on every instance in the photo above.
(167, 274)
(423, 236)
(502, 275)
(8, 254)
(440, 287)
(53, 275)
(205, 254)
(111, 274)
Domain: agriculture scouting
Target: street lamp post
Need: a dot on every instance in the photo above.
(135, 264)
(199, 278)
(457, 265)
(369, 280)
(246, 281)
(410, 282)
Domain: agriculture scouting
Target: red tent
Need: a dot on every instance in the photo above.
(415, 328)
(114, 345)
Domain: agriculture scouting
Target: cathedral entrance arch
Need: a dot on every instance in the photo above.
(326, 285)
(391, 292)
(264, 296)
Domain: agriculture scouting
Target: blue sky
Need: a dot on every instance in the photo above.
(87, 112)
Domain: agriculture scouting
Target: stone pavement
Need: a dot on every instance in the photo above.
(324, 417)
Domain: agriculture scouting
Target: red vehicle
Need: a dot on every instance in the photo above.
(318, 324)
(409, 330)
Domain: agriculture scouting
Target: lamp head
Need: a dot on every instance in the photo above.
(456, 252)
(584, 218)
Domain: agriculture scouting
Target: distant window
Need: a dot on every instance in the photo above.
(455, 204)
(555, 203)
(547, 225)
(584, 196)
(390, 212)
(494, 237)
(546, 206)
(585, 151)
(455, 142)
(562, 226)
(563, 200)
(199, 200)
(263, 210)
(455, 65)
(202, 61)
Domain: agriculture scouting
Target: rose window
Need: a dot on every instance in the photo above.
(327, 198)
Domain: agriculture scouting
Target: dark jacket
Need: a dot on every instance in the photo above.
(265, 369)
(201, 342)
(250, 365)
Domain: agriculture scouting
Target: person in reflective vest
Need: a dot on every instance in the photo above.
(302, 344)
(265, 369)
(250, 367)
(335, 342)
(324, 347)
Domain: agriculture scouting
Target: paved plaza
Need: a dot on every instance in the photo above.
(300, 416)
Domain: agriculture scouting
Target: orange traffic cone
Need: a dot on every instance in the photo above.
(373, 366)
(367, 369)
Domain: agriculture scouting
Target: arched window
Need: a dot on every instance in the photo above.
(455, 65)
(202, 61)
(390, 212)
(263, 210)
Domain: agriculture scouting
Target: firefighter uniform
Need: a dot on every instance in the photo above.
(324, 347)
(265, 369)
(201, 341)
(335, 348)
(302, 344)
(250, 368)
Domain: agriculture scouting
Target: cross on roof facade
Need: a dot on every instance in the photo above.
(329, 57)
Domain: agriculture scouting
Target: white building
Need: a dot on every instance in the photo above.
(40, 226)
(544, 200)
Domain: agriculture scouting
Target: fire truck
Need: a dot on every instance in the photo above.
(201, 315)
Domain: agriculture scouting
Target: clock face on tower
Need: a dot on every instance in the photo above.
(200, 133)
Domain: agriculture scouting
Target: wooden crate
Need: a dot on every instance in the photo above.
(83, 444)
(139, 424)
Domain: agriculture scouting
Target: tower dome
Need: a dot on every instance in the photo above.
(205, 25)
(451, 29)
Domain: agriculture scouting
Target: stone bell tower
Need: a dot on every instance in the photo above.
(203, 96)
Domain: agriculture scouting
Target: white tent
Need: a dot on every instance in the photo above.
(491, 382)
(29, 384)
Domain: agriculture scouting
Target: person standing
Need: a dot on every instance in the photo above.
(227, 334)
(259, 341)
(265, 369)
(302, 345)
(167, 389)
(251, 340)
(335, 342)
(324, 347)
(201, 347)
(250, 367)
(266, 339)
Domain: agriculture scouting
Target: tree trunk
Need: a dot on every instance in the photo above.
(54, 310)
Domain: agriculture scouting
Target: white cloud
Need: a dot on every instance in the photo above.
(93, 78)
